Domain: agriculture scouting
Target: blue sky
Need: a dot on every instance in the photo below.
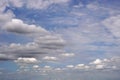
(48, 36)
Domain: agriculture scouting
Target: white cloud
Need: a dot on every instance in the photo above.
(112, 63)
(97, 61)
(82, 66)
(68, 54)
(70, 66)
(35, 66)
(50, 58)
(79, 66)
(47, 67)
(106, 60)
(57, 69)
(18, 26)
(100, 66)
(26, 60)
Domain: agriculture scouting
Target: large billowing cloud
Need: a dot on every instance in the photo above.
(43, 41)
(18, 26)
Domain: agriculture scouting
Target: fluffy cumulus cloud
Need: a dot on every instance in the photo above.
(70, 66)
(35, 66)
(47, 67)
(18, 26)
(50, 58)
(68, 54)
(98, 64)
(26, 60)
(111, 63)
(97, 61)
(80, 66)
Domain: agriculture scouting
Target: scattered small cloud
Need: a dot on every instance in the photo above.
(100, 66)
(26, 60)
(35, 66)
(97, 61)
(80, 66)
(68, 54)
(47, 67)
(50, 58)
(70, 66)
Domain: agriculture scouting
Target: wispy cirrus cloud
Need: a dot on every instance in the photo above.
(112, 24)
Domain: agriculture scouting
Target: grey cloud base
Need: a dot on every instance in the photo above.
(43, 41)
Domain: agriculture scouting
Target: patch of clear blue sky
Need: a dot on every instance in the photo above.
(8, 66)
(13, 38)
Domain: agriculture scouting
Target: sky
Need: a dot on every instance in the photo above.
(59, 39)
